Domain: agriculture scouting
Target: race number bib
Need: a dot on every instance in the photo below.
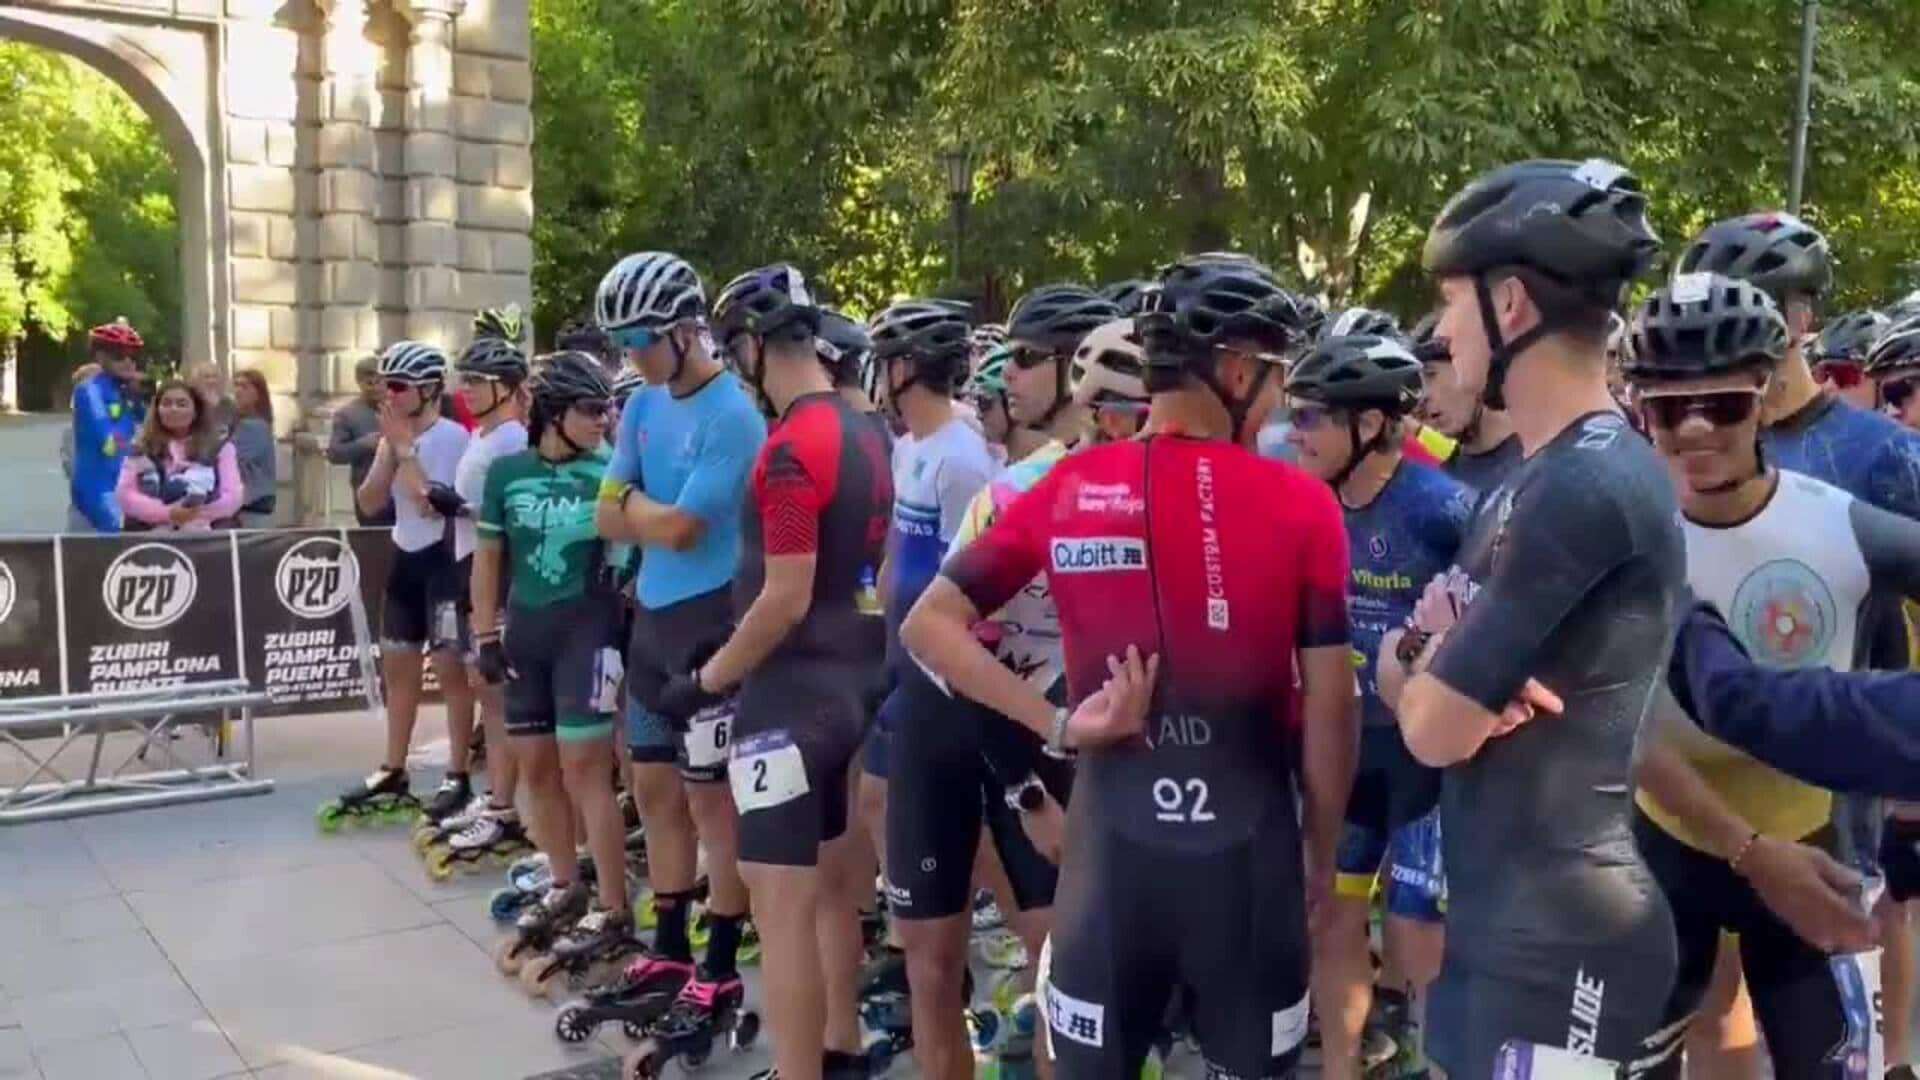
(766, 771)
(709, 735)
(1862, 1056)
(608, 667)
(1522, 1060)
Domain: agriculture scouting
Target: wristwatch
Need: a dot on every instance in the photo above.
(1026, 796)
(1057, 738)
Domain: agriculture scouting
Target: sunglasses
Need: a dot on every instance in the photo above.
(1026, 358)
(1305, 417)
(636, 337)
(1844, 374)
(592, 409)
(396, 386)
(1721, 408)
(1896, 392)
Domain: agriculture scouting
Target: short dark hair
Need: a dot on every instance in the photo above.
(1568, 310)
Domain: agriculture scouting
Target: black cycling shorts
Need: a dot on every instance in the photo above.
(798, 723)
(941, 789)
(1224, 930)
(566, 669)
(1900, 858)
(452, 608)
(666, 642)
(1391, 791)
(1795, 998)
(417, 583)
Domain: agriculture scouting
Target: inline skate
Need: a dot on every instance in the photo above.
(429, 831)
(535, 929)
(527, 880)
(493, 836)
(453, 796)
(382, 798)
(702, 1013)
(635, 998)
(1003, 1039)
(886, 1007)
(599, 943)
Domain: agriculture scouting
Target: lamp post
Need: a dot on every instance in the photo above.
(1802, 113)
(958, 163)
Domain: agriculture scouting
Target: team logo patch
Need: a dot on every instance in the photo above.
(316, 577)
(1098, 554)
(1082, 1021)
(1377, 546)
(1784, 614)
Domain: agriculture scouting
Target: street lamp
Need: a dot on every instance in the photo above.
(958, 163)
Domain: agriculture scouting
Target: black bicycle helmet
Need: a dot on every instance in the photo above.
(1582, 224)
(1782, 255)
(1360, 321)
(1704, 324)
(1850, 337)
(770, 302)
(624, 385)
(1207, 300)
(843, 346)
(505, 323)
(1897, 349)
(1126, 295)
(931, 335)
(1907, 307)
(1054, 318)
(1358, 371)
(1427, 346)
(583, 336)
(490, 357)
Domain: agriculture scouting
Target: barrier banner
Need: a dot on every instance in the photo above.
(149, 610)
(29, 619)
(295, 608)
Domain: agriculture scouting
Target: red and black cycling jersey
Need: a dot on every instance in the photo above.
(822, 485)
(1222, 562)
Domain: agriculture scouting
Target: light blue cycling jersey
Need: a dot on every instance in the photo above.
(694, 454)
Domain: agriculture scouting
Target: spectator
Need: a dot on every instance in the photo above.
(107, 410)
(211, 385)
(356, 435)
(253, 443)
(177, 476)
(80, 374)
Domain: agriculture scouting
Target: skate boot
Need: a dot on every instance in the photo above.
(637, 997)
(703, 1011)
(453, 796)
(427, 832)
(986, 912)
(381, 798)
(536, 927)
(527, 878)
(588, 951)
(1390, 1042)
(1003, 1040)
(493, 836)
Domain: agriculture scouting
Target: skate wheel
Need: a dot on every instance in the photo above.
(636, 1032)
(440, 865)
(509, 958)
(746, 1029)
(503, 904)
(643, 1062)
(538, 975)
(697, 1057)
(328, 818)
(571, 1023)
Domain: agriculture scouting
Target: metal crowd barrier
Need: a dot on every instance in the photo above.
(153, 714)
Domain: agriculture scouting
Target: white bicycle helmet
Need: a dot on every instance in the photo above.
(1110, 365)
(652, 288)
(413, 362)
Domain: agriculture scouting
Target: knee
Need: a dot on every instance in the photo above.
(933, 965)
(662, 799)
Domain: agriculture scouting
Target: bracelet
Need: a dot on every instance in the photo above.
(1753, 838)
(1412, 643)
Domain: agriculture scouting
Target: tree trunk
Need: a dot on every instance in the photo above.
(10, 375)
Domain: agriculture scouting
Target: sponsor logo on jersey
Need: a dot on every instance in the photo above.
(9, 591)
(1377, 546)
(1096, 554)
(316, 577)
(1367, 579)
(1785, 614)
(1109, 499)
(1082, 1021)
(1212, 569)
(1583, 1027)
(149, 586)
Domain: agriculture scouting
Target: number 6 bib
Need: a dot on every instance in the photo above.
(707, 736)
(766, 771)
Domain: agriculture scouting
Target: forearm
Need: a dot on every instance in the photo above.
(635, 518)
(768, 621)
(943, 641)
(376, 491)
(1330, 752)
(1666, 775)
(485, 587)
(1389, 674)
(410, 482)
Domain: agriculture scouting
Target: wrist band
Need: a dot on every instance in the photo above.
(1733, 864)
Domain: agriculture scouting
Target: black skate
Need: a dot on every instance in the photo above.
(537, 926)
(381, 799)
(636, 998)
(588, 951)
(453, 796)
(700, 1014)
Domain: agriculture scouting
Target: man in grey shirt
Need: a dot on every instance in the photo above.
(356, 434)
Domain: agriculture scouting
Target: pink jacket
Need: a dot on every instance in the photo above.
(142, 507)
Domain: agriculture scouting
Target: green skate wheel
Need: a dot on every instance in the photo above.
(328, 818)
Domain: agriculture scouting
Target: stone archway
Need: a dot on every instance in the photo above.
(352, 172)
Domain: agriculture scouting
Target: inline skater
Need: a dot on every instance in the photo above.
(938, 466)
(1890, 367)
(553, 642)
(986, 391)
(1811, 429)
(492, 371)
(418, 448)
(982, 340)
(502, 324)
(107, 412)
(1126, 294)
(1181, 566)
(1734, 844)
(1347, 398)
(1564, 598)
(939, 744)
(843, 347)
(816, 513)
(1839, 356)
(1109, 380)
(683, 455)
(1487, 448)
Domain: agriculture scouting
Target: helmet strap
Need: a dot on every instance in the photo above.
(427, 397)
(1061, 394)
(1237, 407)
(679, 356)
(1503, 352)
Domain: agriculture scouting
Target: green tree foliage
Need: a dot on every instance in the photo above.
(88, 229)
(1110, 135)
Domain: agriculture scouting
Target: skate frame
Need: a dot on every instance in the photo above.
(155, 715)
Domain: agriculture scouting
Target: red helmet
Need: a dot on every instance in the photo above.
(117, 336)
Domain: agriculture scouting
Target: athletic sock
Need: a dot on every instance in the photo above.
(670, 931)
(723, 946)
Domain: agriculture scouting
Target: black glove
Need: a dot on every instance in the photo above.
(682, 697)
(445, 501)
(491, 662)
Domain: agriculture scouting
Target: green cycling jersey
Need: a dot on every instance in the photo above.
(542, 511)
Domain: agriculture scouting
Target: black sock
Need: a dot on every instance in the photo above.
(723, 946)
(670, 935)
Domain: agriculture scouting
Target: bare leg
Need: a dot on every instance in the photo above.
(1897, 980)
(1724, 1042)
(1342, 978)
(550, 817)
(936, 970)
(586, 770)
(503, 767)
(837, 924)
(459, 698)
(672, 853)
(786, 905)
(401, 669)
(718, 826)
